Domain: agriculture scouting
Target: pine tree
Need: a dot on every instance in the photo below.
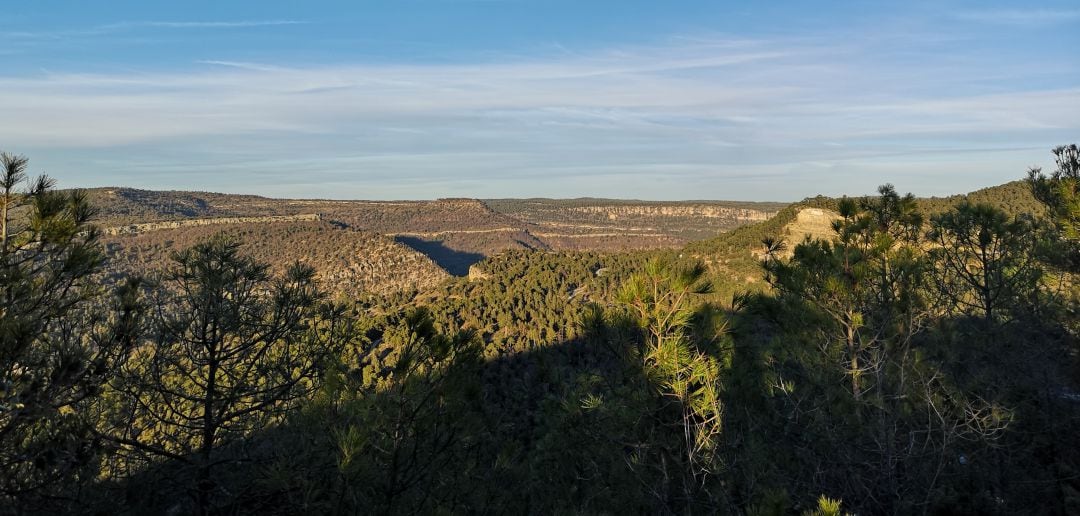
(401, 417)
(1060, 192)
(984, 262)
(59, 339)
(680, 358)
(870, 287)
(231, 351)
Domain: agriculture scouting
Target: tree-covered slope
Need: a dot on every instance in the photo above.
(737, 253)
(347, 261)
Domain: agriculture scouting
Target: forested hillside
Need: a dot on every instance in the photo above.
(347, 262)
(1013, 198)
(736, 254)
(875, 355)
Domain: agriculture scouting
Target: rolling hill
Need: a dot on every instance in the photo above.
(346, 261)
(736, 254)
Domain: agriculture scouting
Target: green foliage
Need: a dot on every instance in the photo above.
(231, 349)
(56, 346)
(525, 300)
(1060, 192)
(683, 361)
(1014, 198)
(868, 282)
(826, 507)
(400, 418)
(662, 299)
(867, 311)
(984, 262)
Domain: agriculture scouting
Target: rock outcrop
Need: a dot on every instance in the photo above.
(132, 229)
(703, 211)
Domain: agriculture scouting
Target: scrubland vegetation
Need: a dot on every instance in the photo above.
(922, 359)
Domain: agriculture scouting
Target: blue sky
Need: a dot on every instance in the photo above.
(518, 98)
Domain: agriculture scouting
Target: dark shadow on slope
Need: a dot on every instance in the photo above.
(455, 262)
(782, 446)
(517, 442)
(560, 428)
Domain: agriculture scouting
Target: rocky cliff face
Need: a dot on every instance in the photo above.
(815, 223)
(811, 222)
(713, 212)
(477, 274)
(622, 224)
(188, 223)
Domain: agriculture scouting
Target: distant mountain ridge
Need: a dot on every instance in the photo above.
(454, 232)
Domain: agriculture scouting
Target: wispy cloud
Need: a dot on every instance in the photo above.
(201, 24)
(125, 26)
(704, 110)
(1029, 18)
(258, 67)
